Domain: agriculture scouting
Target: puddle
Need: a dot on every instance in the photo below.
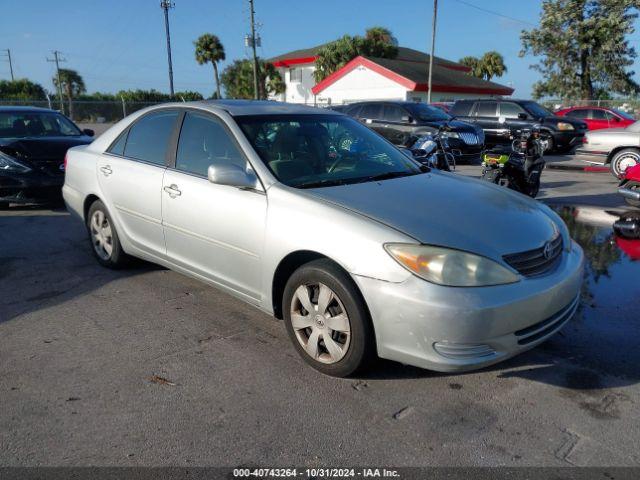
(606, 331)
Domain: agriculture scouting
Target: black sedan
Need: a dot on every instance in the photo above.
(33, 143)
(402, 123)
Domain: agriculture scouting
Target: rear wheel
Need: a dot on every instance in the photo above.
(625, 158)
(104, 237)
(327, 320)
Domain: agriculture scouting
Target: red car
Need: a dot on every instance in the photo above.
(598, 117)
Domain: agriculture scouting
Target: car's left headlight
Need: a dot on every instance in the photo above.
(10, 164)
(565, 126)
(446, 266)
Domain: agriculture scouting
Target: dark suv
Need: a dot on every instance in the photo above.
(402, 123)
(500, 118)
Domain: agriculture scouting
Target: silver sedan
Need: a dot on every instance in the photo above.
(314, 218)
(617, 147)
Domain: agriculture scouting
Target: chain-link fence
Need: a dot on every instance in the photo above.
(82, 111)
(627, 105)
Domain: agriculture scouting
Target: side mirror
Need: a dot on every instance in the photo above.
(502, 119)
(522, 116)
(88, 132)
(616, 119)
(231, 175)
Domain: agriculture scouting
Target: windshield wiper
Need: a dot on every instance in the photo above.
(327, 182)
(388, 175)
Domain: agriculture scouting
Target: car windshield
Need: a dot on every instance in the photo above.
(36, 124)
(428, 113)
(622, 114)
(537, 110)
(309, 151)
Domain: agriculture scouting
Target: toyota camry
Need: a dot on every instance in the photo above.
(313, 218)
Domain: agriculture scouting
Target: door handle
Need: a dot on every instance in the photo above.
(106, 170)
(173, 190)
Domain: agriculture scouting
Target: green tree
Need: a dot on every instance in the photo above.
(71, 84)
(584, 48)
(490, 65)
(237, 80)
(377, 42)
(209, 49)
(21, 89)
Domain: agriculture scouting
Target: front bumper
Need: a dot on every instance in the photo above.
(30, 187)
(568, 138)
(452, 329)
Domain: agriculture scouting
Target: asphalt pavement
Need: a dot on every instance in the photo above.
(145, 366)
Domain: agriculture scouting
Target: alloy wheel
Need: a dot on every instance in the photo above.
(320, 323)
(101, 235)
(626, 161)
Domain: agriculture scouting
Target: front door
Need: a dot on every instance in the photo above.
(216, 231)
(131, 178)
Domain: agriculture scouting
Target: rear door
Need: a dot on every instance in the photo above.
(486, 116)
(130, 177)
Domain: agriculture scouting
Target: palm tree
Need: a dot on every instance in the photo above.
(473, 63)
(492, 65)
(210, 49)
(72, 84)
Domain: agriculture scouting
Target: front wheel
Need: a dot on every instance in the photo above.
(104, 237)
(625, 158)
(327, 320)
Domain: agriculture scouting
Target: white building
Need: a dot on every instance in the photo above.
(371, 78)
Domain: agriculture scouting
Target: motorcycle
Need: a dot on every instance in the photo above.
(629, 186)
(433, 150)
(518, 167)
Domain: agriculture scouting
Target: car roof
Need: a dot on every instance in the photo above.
(16, 108)
(402, 103)
(255, 107)
(516, 100)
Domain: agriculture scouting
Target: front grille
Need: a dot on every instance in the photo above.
(542, 329)
(469, 138)
(538, 261)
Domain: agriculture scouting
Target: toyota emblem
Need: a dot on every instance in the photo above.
(547, 250)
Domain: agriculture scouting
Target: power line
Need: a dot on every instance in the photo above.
(56, 58)
(166, 5)
(492, 12)
(8, 56)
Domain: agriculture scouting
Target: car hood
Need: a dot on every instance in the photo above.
(449, 210)
(36, 148)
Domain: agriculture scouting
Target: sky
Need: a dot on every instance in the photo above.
(120, 44)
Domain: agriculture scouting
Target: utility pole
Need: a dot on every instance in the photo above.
(166, 5)
(56, 59)
(8, 54)
(433, 47)
(253, 46)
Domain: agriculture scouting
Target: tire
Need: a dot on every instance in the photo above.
(622, 160)
(103, 237)
(346, 312)
(551, 145)
(636, 187)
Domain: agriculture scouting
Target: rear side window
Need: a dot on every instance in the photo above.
(148, 137)
(578, 113)
(486, 109)
(203, 142)
(461, 109)
(394, 113)
(117, 148)
(372, 111)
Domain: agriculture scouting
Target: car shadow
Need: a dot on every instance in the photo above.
(46, 259)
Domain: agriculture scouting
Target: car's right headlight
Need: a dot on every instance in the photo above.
(446, 266)
(10, 164)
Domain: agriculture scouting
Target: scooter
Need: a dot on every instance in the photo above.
(519, 167)
(629, 187)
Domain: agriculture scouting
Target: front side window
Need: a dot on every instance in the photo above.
(394, 113)
(428, 113)
(598, 114)
(36, 124)
(537, 110)
(203, 142)
(372, 111)
(510, 110)
(149, 136)
(309, 151)
(486, 109)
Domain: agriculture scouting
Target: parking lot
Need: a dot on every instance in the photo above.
(148, 367)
